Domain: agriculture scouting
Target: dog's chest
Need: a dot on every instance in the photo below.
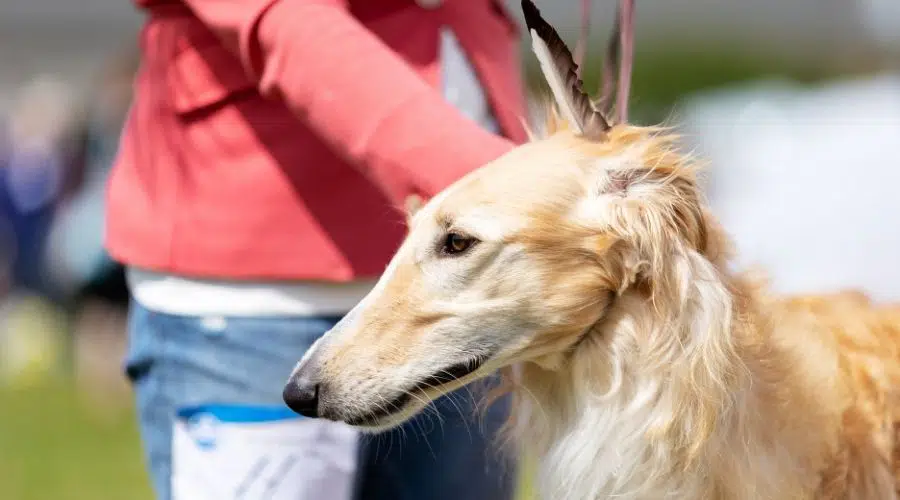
(604, 455)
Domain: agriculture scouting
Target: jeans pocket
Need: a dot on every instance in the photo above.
(141, 341)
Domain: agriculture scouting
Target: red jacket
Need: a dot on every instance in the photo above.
(272, 139)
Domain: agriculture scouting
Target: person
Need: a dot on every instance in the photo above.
(35, 156)
(254, 200)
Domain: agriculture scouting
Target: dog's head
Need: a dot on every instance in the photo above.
(515, 262)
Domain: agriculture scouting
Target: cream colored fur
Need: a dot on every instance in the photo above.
(646, 368)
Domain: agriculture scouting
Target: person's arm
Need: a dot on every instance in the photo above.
(349, 87)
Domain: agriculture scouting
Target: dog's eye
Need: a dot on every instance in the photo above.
(456, 243)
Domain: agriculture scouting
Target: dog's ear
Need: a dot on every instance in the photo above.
(412, 205)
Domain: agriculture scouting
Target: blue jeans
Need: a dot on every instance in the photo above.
(179, 362)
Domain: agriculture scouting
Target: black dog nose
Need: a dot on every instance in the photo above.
(302, 397)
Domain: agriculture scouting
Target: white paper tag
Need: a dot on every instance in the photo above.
(228, 452)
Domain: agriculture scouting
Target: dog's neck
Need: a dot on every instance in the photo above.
(695, 420)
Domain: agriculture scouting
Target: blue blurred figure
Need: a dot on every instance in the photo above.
(31, 175)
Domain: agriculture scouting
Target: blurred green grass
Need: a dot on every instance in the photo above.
(53, 446)
(663, 75)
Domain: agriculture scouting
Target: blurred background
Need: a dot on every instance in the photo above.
(795, 104)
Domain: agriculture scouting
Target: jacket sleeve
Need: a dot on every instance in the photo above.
(349, 87)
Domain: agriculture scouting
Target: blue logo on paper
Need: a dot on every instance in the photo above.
(203, 421)
(202, 427)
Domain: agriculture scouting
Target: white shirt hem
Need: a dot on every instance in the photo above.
(179, 295)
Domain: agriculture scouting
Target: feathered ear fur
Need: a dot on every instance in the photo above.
(561, 72)
(696, 348)
(685, 338)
